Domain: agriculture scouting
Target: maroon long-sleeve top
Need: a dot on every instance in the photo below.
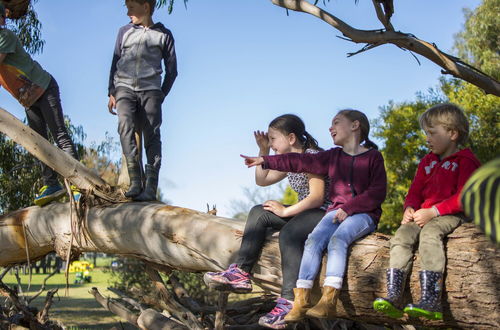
(358, 183)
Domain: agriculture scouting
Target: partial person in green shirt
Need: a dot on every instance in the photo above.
(38, 92)
(481, 199)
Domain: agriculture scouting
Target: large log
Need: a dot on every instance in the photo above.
(193, 241)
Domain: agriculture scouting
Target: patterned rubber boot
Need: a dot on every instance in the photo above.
(275, 319)
(431, 286)
(149, 192)
(232, 279)
(392, 304)
(134, 173)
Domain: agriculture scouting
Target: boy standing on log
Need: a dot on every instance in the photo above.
(137, 92)
(432, 211)
(38, 92)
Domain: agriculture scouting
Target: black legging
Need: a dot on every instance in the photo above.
(293, 234)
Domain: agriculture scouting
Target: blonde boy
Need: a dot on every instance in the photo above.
(432, 211)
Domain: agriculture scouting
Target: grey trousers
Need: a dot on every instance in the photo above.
(430, 239)
(47, 111)
(140, 111)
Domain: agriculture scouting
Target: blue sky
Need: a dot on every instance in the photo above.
(241, 63)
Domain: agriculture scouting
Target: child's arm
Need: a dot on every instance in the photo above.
(264, 177)
(317, 163)
(170, 62)
(414, 196)
(315, 199)
(116, 57)
(2, 57)
(374, 195)
(452, 205)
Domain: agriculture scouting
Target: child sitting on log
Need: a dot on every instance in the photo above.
(431, 211)
(286, 133)
(357, 189)
(38, 92)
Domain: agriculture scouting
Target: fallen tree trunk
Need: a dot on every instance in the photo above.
(188, 240)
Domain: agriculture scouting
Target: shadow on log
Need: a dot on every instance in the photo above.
(184, 239)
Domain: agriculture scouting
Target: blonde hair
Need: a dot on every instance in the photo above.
(152, 4)
(450, 116)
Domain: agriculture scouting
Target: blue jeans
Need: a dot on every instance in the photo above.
(337, 236)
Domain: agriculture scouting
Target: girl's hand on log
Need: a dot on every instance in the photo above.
(408, 215)
(275, 207)
(253, 161)
(423, 216)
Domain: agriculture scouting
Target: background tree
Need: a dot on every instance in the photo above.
(397, 126)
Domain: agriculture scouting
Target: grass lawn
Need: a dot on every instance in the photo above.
(78, 310)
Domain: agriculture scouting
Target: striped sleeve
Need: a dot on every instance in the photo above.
(481, 199)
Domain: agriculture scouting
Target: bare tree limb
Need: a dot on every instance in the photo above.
(43, 315)
(449, 63)
(172, 306)
(115, 307)
(384, 18)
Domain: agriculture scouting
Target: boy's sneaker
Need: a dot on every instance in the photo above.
(275, 319)
(232, 280)
(76, 193)
(49, 194)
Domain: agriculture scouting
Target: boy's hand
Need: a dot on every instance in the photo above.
(253, 161)
(275, 207)
(112, 105)
(408, 215)
(262, 141)
(423, 216)
(340, 216)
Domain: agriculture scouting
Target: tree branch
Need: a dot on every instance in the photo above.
(407, 41)
(172, 306)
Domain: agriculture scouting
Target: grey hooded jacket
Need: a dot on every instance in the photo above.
(137, 59)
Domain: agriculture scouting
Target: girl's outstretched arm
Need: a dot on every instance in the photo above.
(253, 161)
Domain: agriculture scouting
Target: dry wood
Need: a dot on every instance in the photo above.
(115, 307)
(184, 239)
(450, 64)
(220, 315)
(171, 305)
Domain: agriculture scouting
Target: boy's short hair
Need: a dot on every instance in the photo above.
(152, 4)
(450, 116)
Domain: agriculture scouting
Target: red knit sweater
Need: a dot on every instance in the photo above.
(439, 182)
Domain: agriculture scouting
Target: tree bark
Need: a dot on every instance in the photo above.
(188, 240)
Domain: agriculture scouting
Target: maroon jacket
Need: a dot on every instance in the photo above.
(439, 182)
(357, 183)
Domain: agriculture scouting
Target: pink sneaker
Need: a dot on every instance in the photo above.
(232, 279)
(275, 319)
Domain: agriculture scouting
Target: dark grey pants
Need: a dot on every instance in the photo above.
(140, 111)
(293, 234)
(47, 111)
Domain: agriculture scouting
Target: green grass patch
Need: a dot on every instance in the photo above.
(78, 310)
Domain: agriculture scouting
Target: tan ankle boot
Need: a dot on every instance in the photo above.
(326, 306)
(301, 304)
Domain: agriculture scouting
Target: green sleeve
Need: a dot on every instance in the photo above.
(7, 41)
